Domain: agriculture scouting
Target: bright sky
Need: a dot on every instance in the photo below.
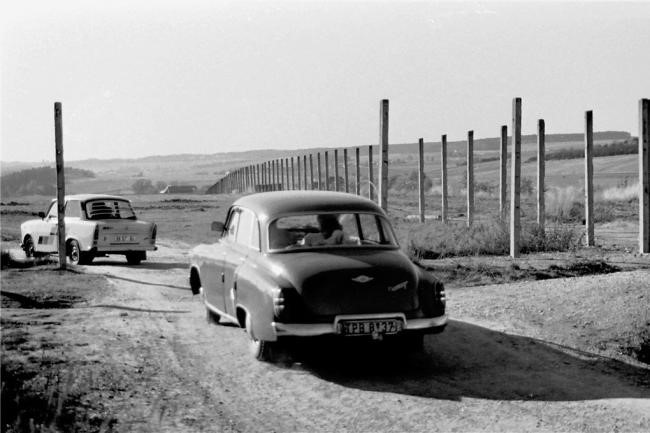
(140, 78)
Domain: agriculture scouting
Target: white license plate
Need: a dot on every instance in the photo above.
(370, 326)
(124, 238)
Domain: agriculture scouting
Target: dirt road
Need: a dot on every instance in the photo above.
(156, 365)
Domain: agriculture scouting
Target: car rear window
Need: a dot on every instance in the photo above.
(109, 209)
(329, 230)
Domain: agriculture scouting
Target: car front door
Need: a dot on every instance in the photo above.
(236, 255)
(212, 271)
(45, 232)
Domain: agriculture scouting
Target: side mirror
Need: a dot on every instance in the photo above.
(41, 215)
(217, 226)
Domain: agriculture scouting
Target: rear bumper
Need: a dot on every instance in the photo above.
(122, 249)
(426, 325)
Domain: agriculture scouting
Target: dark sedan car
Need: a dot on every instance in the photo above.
(309, 263)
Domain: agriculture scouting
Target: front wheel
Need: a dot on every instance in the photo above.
(28, 247)
(260, 349)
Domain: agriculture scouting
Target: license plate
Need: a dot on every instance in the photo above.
(124, 238)
(370, 327)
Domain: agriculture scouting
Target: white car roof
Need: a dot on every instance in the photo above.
(86, 197)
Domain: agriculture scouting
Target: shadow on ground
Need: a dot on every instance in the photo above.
(471, 361)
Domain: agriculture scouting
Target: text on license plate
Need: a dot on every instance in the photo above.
(124, 238)
(369, 327)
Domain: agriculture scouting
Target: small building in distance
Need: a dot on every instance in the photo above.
(179, 189)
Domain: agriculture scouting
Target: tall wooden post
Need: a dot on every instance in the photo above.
(299, 173)
(541, 168)
(357, 164)
(444, 212)
(304, 166)
(515, 183)
(327, 171)
(320, 177)
(274, 176)
(60, 183)
(503, 172)
(470, 178)
(345, 170)
(644, 176)
(589, 178)
(371, 185)
(311, 172)
(336, 170)
(293, 175)
(421, 178)
(383, 141)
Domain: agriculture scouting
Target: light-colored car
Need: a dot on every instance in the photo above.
(95, 225)
(310, 263)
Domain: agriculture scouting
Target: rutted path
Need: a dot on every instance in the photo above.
(174, 372)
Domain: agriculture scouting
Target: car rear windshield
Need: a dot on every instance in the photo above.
(329, 230)
(109, 209)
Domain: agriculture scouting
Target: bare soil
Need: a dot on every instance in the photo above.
(127, 348)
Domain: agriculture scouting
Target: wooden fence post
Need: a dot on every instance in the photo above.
(345, 170)
(444, 212)
(336, 170)
(503, 172)
(304, 166)
(320, 177)
(293, 175)
(288, 184)
(357, 163)
(371, 185)
(541, 169)
(644, 176)
(311, 171)
(383, 169)
(470, 178)
(589, 178)
(60, 184)
(299, 173)
(327, 171)
(421, 177)
(515, 183)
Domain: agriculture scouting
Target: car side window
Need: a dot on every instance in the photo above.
(231, 228)
(73, 209)
(52, 211)
(244, 232)
(369, 228)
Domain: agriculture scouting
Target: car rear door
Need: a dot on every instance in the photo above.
(212, 271)
(45, 232)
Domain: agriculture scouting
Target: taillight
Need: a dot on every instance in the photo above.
(287, 306)
(278, 303)
(96, 235)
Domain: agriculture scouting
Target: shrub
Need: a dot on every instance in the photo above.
(143, 186)
(429, 241)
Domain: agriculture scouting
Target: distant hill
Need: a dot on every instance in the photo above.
(37, 181)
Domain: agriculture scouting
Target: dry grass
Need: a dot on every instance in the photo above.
(621, 193)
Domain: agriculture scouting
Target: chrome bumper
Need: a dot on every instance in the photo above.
(315, 329)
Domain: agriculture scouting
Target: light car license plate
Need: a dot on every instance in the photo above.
(370, 326)
(124, 238)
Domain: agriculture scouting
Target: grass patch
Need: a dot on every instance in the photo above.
(433, 241)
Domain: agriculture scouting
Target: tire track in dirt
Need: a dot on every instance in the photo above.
(474, 376)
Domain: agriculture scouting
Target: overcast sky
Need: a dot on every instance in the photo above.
(140, 78)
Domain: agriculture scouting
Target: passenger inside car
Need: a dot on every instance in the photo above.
(331, 232)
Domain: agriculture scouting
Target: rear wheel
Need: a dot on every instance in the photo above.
(74, 252)
(28, 246)
(135, 257)
(260, 349)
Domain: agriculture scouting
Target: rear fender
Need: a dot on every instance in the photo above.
(255, 296)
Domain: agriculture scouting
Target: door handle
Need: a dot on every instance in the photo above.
(223, 277)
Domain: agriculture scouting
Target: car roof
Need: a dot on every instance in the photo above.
(86, 197)
(268, 204)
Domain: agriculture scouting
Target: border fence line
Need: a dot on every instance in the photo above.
(280, 174)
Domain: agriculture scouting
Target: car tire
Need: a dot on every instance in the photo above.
(28, 247)
(135, 258)
(74, 252)
(412, 342)
(260, 349)
(211, 317)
